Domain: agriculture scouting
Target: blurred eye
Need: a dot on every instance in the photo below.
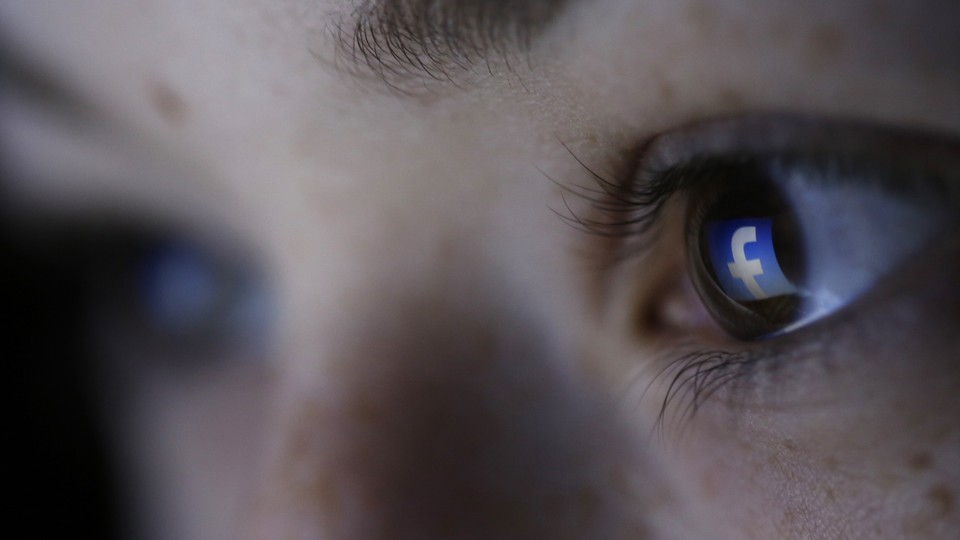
(185, 292)
(173, 296)
(777, 239)
(181, 288)
(156, 295)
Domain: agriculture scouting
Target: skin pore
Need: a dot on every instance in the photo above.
(447, 357)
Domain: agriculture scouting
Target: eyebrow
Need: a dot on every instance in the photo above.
(406, 44)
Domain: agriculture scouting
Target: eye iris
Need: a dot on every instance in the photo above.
(180, 288)
(172, 297)
(185, 292)
(747, 253)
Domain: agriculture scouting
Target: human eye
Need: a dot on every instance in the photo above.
(178, 297)
(788, 224)
(168, 296)
(149, 269)
(131, 289)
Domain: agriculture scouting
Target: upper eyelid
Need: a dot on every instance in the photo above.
(779, 132)
(627, 204)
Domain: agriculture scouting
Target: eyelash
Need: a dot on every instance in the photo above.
(695, 377)
(633, 210)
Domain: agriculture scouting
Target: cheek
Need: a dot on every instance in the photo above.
(187, 447)
(820, 483)
(861, 440)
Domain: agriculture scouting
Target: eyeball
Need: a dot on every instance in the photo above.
(181, 289)
(775, 244)
(187, 292)
(169, 296)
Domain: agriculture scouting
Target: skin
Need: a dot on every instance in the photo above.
(449, 359)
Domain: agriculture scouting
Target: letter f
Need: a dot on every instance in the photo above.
(744, 269)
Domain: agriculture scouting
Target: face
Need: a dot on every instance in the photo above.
(608, 269)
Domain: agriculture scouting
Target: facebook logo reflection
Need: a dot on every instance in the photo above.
(744, 260)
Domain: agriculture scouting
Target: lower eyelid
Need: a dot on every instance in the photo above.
(803, 369)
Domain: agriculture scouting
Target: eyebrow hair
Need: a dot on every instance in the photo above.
(407, 44)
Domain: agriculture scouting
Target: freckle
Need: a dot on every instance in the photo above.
(586, 503)
(701, 17)
(708, 484)
(826, 44)
(668, 92)
(731, 98)
(363, 411)
(782, 28)
(942, 500)
(941, 434)
(880, 12)
(921, 461)
(617, 477)
(831, 495)
(325, 495)
(168, 103)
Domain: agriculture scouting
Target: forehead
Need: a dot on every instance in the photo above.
(243, 54)
(251, 91)
(221, 60)
(252, 40)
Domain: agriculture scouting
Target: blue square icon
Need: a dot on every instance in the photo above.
(745, 261)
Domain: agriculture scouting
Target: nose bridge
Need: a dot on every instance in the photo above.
(445, 411)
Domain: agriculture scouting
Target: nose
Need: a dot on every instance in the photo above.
(447, 415)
